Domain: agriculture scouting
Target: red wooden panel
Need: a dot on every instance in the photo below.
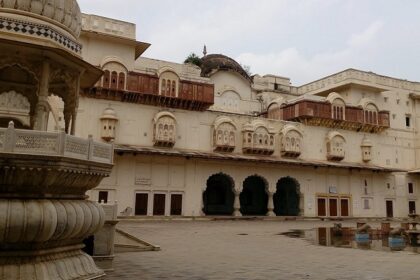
(344, 207)
(121, 81)
(114, 80)
(333, 207)
(322, 212)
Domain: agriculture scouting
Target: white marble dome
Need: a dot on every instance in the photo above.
(65, 12)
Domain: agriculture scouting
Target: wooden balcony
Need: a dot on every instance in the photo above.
(144, 89)
(320, 114)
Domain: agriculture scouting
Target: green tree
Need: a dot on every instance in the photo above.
(193, 59)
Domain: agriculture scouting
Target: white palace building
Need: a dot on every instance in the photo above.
(212, 140)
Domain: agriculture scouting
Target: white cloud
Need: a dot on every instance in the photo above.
(293, 63)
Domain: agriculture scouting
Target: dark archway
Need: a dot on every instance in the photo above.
(254, 197)
(287, 197)
(4, 123)
(219, 197)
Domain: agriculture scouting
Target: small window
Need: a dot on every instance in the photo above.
(410, 188)
(412, 207)
(366, 204)
(407, 121)
(388, 186)
(103, 197)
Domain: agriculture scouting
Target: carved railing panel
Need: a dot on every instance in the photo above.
(51, 143)
(36, 142)
(76, 147)
(101, 152)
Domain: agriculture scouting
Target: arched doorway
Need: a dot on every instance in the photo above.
(254, 197)
(219, 197)
(287, 198)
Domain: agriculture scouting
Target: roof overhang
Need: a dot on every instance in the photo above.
(90, 73)
(246, 158)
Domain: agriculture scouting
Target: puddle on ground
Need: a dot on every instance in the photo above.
(328, 237)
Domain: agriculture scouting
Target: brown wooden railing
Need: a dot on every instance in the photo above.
(320, 113)
(144, 89)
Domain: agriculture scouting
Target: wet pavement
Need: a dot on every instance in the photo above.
(252, 250)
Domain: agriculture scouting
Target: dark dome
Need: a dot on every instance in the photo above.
(214, 62)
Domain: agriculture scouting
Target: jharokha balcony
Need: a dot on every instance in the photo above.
(153, 90)
(323, 113)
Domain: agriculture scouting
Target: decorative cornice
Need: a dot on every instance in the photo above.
(40, 31)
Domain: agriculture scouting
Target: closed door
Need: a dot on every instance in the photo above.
(141, 204)
(176, 204)
(389, 209)
(322, 207)
(159, 204)
(333, 207)
(344, 207)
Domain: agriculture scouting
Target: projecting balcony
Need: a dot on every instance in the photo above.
(321, 114)
(144, 89)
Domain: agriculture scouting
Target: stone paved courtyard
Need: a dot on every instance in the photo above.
(251, 250)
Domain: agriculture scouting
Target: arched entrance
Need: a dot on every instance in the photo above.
(287, 198)
(254, 197)
(219, 197)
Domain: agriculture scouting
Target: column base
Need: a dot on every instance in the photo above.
(271, 213)
(49, 265)
(237, 213)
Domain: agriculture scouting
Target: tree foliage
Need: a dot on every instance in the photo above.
(193, 59)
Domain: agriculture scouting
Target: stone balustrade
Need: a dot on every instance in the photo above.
(53, 144)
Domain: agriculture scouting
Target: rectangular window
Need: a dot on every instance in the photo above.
(366, 204)
(103, 197)
(410, 188)
(407, 121)
(412, 207)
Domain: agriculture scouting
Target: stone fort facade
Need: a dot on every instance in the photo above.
(212, 140)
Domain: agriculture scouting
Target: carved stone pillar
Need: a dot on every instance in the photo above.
(270, 205)
(74, 113)
(237, 204)
(42, 107)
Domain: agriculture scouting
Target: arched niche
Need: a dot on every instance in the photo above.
(168, 82)
(224, 135)
(291, 139)
(15, 106)
(338, 106)
(229, 100)
(336, 149)
(18, 90)
(370, 111)
(258, 138)
(274, 109)
(164, 129)
(115, 75)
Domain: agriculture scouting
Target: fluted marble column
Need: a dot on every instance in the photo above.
(237, 204)
(270, 205)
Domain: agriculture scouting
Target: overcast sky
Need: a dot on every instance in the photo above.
(301, 39)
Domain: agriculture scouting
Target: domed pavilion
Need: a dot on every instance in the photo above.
(44, 214)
